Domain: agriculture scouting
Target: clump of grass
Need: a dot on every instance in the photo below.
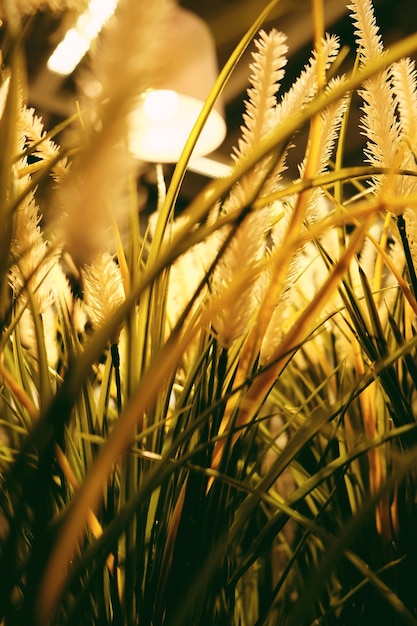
(210, 419)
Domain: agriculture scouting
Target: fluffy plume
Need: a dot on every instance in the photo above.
(33, 263)
(30, 126)
(34, 270)
(263, 114)
(331, 119)
(103, 289)
(304, 87)
(95, 192)
(247, 246)
(35, 267)
(368, 39)
(404, 87)
(287, 305)
(379, 122)
(390, 110)
(298, 96)
(49, 295)
(294, 100)
(267, 70)
(404, 81)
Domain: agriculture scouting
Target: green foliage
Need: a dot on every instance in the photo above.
(247, 457)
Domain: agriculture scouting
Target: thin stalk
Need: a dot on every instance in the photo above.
(407, 252)
(115, 356)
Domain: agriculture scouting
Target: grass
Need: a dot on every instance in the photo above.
(211, 418)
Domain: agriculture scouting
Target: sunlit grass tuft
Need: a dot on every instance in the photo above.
(210, 418)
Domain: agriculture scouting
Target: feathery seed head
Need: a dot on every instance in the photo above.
(103, 288)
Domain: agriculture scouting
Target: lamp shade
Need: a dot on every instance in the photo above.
(165, 115)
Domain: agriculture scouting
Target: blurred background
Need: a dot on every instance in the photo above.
(53, 95)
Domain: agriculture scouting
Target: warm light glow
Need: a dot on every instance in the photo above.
(159, 130)
(165, 116)
(160, 105)
(211, 168)
(77, 40)
(68, 53)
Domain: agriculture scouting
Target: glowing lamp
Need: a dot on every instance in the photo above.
(165, 115)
